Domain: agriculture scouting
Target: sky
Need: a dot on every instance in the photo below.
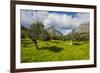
(64, 22)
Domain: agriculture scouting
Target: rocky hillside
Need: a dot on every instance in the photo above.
(81, 28)
(54, 32)
(79, 33)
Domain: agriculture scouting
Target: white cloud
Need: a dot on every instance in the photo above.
(64, 22)
(81, 18)
(59, 21)
(40, 15)
(26, 17)
(29, 16)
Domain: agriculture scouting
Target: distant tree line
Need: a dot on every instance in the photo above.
(78, 36)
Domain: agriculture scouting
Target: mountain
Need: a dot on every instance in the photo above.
(54, 32)
(79, 33)
(81, 28)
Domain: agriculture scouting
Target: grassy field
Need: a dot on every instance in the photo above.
(54, 50)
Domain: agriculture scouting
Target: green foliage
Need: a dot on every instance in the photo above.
(46, 36)
(54, 50)
(36, 30)
(85, 36)
(24, 32)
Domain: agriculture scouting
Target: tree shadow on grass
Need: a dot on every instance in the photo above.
(77, 43)
(52, 48)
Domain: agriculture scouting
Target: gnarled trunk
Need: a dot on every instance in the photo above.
(35, 41)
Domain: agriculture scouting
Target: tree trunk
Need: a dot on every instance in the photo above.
(35, 43)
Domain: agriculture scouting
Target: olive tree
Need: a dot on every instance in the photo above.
(36, 32)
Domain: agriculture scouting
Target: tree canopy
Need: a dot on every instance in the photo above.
(36, 30)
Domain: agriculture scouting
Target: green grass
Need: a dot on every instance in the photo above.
(54, 50)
